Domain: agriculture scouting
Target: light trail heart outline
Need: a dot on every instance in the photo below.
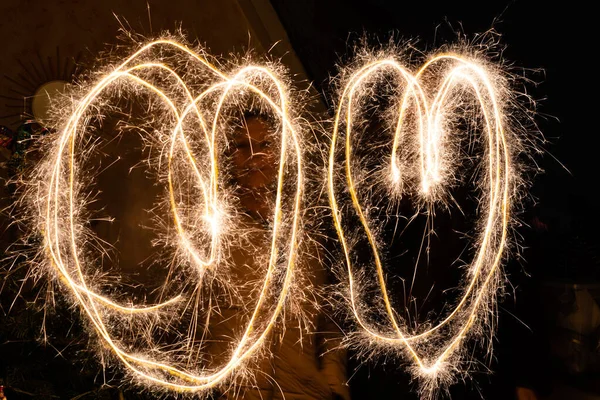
(426, 99)
(57, 190)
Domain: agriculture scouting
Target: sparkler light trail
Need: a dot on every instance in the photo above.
(448, 98)
(190, 105)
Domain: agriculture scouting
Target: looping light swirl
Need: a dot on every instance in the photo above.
(60, 203)
(428, 100)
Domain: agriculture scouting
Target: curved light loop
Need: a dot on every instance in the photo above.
(427, 100)
(60, 226)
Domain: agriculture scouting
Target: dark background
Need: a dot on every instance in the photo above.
(559, 221)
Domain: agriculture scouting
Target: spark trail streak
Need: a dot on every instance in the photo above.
(199, 235)
(428, 99)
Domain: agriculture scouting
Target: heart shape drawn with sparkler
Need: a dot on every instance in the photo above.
(425, 110)
(190, 118)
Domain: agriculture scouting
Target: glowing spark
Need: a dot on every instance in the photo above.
(59, 184)
(429, 99)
